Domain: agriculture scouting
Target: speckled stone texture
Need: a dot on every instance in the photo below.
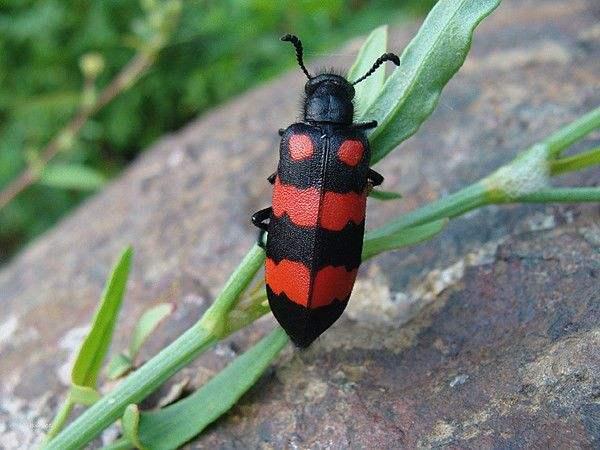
(485, 337)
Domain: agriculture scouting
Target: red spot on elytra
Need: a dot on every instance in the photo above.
(351, 152)
(301, 147)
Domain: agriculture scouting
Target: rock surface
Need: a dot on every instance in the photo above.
(486, 337)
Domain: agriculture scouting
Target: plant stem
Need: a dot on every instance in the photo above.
(562, 195)
(158, 369)
(124, 80)
(134, 388)
(215, 318)
(452, 205)
(573, 132)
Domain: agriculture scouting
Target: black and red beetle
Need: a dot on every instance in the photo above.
(316, 224)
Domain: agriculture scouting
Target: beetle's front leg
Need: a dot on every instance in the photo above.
(374, 178)
(258, 219)
(271, 178)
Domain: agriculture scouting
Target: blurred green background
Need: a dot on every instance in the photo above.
(217, 48)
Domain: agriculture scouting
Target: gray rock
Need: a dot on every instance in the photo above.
(485, 337)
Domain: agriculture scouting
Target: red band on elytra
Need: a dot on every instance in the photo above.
(301, 205)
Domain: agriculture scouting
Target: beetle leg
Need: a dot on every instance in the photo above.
(365, 125)
(259, 217)
(375, 178)
(262, 239)
(281, 131)
(271, 178)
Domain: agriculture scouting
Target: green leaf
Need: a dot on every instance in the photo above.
(84, 395)
(72, 176)
(434, 55)
(130, 423)
(118, 366)
(576, 162)
(176, 424)
(122, 363)
(93, 350)
(402, 238)
(384, 195)
(367, 90)
(147, 324)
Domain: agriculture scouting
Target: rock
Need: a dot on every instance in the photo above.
(485, 337)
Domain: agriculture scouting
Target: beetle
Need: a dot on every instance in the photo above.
(315, 226)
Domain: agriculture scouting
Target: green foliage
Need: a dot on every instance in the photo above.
(404, 237)
(130, 423)
(124, 361)
(93, 350)
(173, 425)
(434, 55)
(367, 90)
(219, 49)
(382, 195)
(72, 176)
(176, 424)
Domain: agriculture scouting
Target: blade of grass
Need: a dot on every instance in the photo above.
(576, 162)
(124, 361)
(147, 324)
(88, 362)
(93, 350)
(373, 246)
(434, 55)
(379, 194)
(130, 423)
(366, 91)
(176, 424)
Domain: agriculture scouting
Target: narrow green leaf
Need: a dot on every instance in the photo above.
(176, 424)
(403, 238)
(84, 395)
(384, 195)
(130, 423)
(123, 362)
(576, 162)
(147, 324)
(367, 90)
(71, 176)
(93, 350)
(118, 366)
(411, 93)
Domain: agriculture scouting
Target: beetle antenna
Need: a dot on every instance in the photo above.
(383, 58)
(298, 45)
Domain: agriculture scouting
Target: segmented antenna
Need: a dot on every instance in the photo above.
(298, 44)
(383, 58)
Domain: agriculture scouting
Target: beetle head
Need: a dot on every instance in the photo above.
(329, 96)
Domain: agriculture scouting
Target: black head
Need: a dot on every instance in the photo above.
(329, 96)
